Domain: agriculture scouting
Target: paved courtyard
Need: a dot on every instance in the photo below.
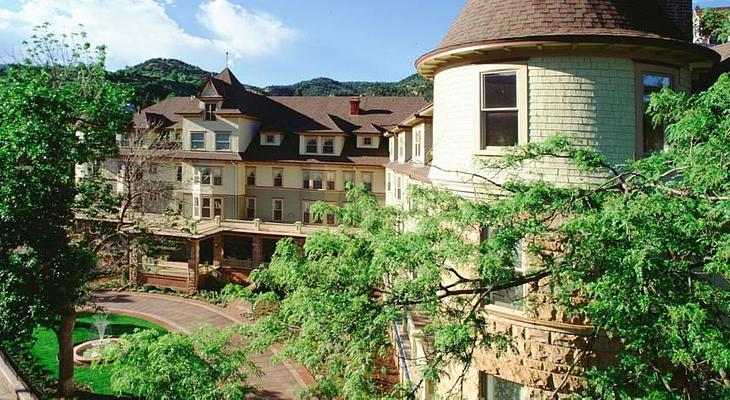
(279, 381)
(5, 392)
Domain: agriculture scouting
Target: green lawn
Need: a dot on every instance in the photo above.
(45, 349)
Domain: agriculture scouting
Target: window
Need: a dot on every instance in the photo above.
(269, 139)
(330, 180)
(277, 210)
(348, 177)
(197, 140)
(367, 141)
(306, 212)
(250, 208)
(500, 113)
(124, 140)
(152, 168)
(417, 143)
(317, 180)
(311, 145)
(208, 175)
(402, 148)
(313, 180)
(196, 207)
(251, 176)
(222, 141)
(309, 218)
(218, 207)
(210, 112)
(278, 177)
(328, 146)
(388, 178)
(367, 180)
(205, 208)
(391, 148)
(217, 176)
(651, 138)
(398, 188)
(513, 297)
(179, 174)
(494, 388)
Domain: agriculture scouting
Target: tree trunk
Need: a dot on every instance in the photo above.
(66, 387)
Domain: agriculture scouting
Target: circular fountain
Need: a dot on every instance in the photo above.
(87, 352)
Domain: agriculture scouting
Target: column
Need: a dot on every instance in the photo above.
(258, 252)
(193, 266)
(217, 250)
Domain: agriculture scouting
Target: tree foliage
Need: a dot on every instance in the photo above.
(57, 110)
(715, 25)
(645, 255)
(168, 366)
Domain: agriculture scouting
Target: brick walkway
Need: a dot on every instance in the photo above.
(279, 381)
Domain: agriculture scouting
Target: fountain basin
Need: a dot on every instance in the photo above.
(87, 352)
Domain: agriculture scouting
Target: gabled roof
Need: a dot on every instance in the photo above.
(492, 20)
(166, 112)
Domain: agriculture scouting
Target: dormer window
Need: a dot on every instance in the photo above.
(367, 141)
(499, 110)
(210, 111)
(270, 139)
(222, 141)
(328, 146)
(197, 141)
(312, 145)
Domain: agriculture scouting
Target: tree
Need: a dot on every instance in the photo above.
(57, 110)
(715, 25)
(205, 365)
(645, 255)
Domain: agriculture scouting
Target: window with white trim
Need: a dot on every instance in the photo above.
(209, 175)
(269, 139)
(330, 179)
(398, 188)
(210, 112)
(499, 109)
(328, 145)
(179, 173)
(250, 208)
(222, 141)
(312, 145)
(417, 143)
(367, 180)
(388, 179)
(312, 180)
(251, 176)
(205, 207)
(197, 140)
(651, 79)
(278, 177)
(367, 141)
(309, 218)
(196, 207)
(277, 210)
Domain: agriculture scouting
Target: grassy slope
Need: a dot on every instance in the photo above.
(45, 350)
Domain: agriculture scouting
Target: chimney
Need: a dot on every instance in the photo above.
(355, 105)
(680, 13)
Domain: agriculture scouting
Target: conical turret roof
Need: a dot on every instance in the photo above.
(492, 20)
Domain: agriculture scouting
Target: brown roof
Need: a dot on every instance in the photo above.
(418, 172)
(499, 20)
(166, 112)
(292, 116)
(723, 50)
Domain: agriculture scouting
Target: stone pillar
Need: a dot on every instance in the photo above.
(258, 252)
(193, 266)
(217, 250)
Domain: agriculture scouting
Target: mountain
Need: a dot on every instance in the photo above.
(158, 78)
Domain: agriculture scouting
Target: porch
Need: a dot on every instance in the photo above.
(215, 253)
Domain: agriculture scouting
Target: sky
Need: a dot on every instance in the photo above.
(269, 41)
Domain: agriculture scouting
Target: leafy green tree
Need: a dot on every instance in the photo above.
(645, 255)
(205, 365)
(715, 25)
(57, 110)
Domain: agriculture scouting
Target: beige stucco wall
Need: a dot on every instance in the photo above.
(242, 131)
